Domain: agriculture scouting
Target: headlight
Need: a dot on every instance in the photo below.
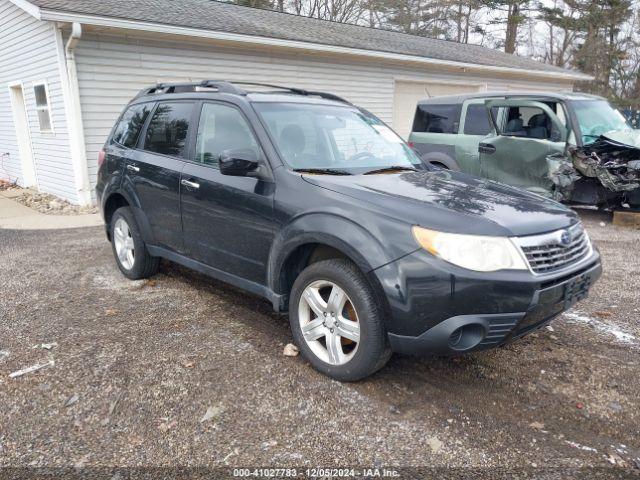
(475, 252)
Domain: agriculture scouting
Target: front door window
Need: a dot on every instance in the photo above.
(221, 128)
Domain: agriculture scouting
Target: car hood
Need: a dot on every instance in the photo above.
(452, 201)
(629, 137)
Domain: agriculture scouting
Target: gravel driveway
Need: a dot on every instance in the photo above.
(184, 370)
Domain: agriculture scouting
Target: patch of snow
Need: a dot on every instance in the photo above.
(603, 327)
(581, 447)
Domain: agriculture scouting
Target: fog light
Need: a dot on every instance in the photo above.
(466, 337)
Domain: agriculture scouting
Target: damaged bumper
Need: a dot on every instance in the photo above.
(596, 173)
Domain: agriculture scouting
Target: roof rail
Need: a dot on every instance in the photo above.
(220, 86)
(329, 96)
(230, 87)
(298, 91)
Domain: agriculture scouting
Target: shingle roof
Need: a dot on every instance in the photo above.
(228, 18)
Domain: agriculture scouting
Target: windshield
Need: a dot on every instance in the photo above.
(332, 138)
(597, 117)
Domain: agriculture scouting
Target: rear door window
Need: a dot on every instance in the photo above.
(437, 119)
(476, 121)
(128, 128)
(167, 130)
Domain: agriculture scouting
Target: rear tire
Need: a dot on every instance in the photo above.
(131, 254)
(358, 317)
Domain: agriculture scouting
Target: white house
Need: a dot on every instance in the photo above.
(68, 67)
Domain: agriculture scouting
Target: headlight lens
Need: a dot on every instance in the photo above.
(475, 252)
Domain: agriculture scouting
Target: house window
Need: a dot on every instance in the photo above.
(43, 108)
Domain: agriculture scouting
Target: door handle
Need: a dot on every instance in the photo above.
(133, 168)
(486, 148)
(189, 184)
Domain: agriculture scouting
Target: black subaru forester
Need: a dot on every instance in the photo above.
(319, 207)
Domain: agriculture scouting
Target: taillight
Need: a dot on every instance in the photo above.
(101, 156)
(410, 144)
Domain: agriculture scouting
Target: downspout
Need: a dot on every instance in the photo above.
(76, 125)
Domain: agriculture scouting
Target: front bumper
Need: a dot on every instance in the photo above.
(437, 308)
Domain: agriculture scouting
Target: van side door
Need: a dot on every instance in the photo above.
(474, 126)
(524, 136)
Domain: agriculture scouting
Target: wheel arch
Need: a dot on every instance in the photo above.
(113, 202)
(439, 158)
(121, 198)
(291, 253)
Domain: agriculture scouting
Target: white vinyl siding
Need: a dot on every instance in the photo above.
(113, 68)
(29, 56)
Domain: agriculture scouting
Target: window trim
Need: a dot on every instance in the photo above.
(186, 153)
(194, 143)
(42, 108)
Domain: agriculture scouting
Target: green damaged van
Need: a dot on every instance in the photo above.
(573, 147)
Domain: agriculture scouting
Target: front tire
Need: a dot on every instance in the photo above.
(131, 254)
(336, 321)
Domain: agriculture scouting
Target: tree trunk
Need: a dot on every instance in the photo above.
(513, 21)
(459, 21)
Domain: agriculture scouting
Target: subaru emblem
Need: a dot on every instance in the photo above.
(565, 238)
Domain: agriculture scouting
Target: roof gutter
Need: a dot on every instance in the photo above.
(113, 22)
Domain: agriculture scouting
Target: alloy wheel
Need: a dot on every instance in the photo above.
(124, 244)
(329, 322)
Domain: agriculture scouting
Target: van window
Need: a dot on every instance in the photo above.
(476, 121)
(167, 130)
(127, 131)
(437, 119)
(530, 122)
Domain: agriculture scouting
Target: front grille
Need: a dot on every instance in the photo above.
(547, 253)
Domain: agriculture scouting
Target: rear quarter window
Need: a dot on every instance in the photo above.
(437, 119)
(128, 128)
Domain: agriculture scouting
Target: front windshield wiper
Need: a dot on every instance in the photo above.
(322, 171)
(390, 168)
(591, 136)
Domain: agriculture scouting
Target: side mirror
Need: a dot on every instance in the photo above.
(238, 162)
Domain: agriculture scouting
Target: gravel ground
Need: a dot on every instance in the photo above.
(184, 370)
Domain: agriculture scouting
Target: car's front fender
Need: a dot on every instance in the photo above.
(365, 249)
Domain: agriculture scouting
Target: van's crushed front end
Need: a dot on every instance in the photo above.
(604, 171)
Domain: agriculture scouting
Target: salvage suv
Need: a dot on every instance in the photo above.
(316, 205)
(572, 147)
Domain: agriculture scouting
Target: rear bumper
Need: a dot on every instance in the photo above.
(483, 311)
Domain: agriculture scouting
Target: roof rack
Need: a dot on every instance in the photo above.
(298, 91)
(230, 87)
(220, 86)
